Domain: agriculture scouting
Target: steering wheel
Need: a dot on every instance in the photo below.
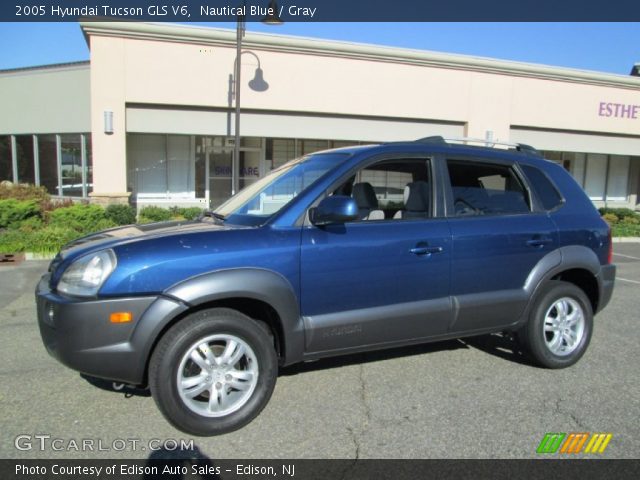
(462, 207)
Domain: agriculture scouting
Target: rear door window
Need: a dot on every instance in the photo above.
(486, 189)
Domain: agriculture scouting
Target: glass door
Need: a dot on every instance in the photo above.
(219, 177)
(215, 161)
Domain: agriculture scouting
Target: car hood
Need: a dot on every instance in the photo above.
(133, 233)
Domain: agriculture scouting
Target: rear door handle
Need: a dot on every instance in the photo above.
(539, 242)
(425, 250)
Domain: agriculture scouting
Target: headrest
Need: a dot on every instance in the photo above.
(416, 197)
(364, 195)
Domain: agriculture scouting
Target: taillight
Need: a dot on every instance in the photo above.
(610, 253)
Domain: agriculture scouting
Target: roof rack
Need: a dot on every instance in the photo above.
(488, 143)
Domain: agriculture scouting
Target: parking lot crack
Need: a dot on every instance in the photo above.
(359, 430)
(356, 442)
(565, 412)
(363, 397)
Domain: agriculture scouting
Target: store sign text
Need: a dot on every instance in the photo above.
(619, 110)
(244, 172)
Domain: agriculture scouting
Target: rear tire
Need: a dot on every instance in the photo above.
(560, 325)
(213, 372)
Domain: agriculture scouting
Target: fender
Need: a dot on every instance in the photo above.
(259, 284)
(555, 262)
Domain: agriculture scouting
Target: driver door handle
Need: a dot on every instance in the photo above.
(539, 242)
(422, 249)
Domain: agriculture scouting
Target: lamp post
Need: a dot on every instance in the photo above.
(257, 84)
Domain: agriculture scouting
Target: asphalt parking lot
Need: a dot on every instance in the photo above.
(457, 399)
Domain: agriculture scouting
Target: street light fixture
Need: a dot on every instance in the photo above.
(273, 16)
(258, 84)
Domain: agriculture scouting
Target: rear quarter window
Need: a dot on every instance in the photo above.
(544, 188)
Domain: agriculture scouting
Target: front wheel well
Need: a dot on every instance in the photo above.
(584, 280)
(252, 308)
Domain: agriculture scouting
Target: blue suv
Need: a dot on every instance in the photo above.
(337, 252)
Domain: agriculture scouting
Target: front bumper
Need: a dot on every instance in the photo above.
(78, 333)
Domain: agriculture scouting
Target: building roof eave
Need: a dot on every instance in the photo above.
(282, 43)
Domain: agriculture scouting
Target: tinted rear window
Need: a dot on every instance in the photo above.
(544, 188)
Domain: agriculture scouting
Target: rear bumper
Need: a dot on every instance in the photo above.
(606, 282)
(78, 333)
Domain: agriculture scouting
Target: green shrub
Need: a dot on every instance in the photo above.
(630, 220)
(50, 239)
(154, 214)
(83, 219)
(13, 211)
(44, 240)
(121, 214)
(28, 225)
(190, 213)
(624, 229)
(621, 213)
(52, 204)
(610, 218)
(12, 241)
(22, 191)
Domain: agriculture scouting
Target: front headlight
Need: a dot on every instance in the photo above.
(85, 276)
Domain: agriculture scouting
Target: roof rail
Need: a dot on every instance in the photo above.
(519, 147)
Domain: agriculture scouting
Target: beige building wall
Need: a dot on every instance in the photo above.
(141, 67)
(49, 100)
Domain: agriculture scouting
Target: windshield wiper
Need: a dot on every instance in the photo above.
(212, 214)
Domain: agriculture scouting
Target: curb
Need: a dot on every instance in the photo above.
(626, 239)
(38, 256)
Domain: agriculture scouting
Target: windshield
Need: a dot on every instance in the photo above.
(262, 199)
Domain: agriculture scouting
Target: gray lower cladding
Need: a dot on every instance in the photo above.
(367, 326)
(606, 281)
(79, 334)
(408, 322)
(413, 322)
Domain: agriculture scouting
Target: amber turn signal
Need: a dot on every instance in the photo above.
(120, 317)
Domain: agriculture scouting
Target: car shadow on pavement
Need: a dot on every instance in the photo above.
(500, 345)
(370, 357)
(115, 387)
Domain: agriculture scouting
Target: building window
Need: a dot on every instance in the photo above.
(603, 177)
(55, 162)
(71, 165)
(311, 146)
(219, 176)
(596, 176)
(618, 178)
(6, 162)
(161, 165)
(279, 151)
(342, 143)
(89, 162)
(201, 153)
(578, 166)
(24, 152)
(48, 162)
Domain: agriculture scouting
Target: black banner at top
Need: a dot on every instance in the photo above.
(320, 10)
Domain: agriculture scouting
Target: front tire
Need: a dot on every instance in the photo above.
(560, 325)
(213, 372)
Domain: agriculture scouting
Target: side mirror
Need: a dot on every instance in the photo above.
(335, 209)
